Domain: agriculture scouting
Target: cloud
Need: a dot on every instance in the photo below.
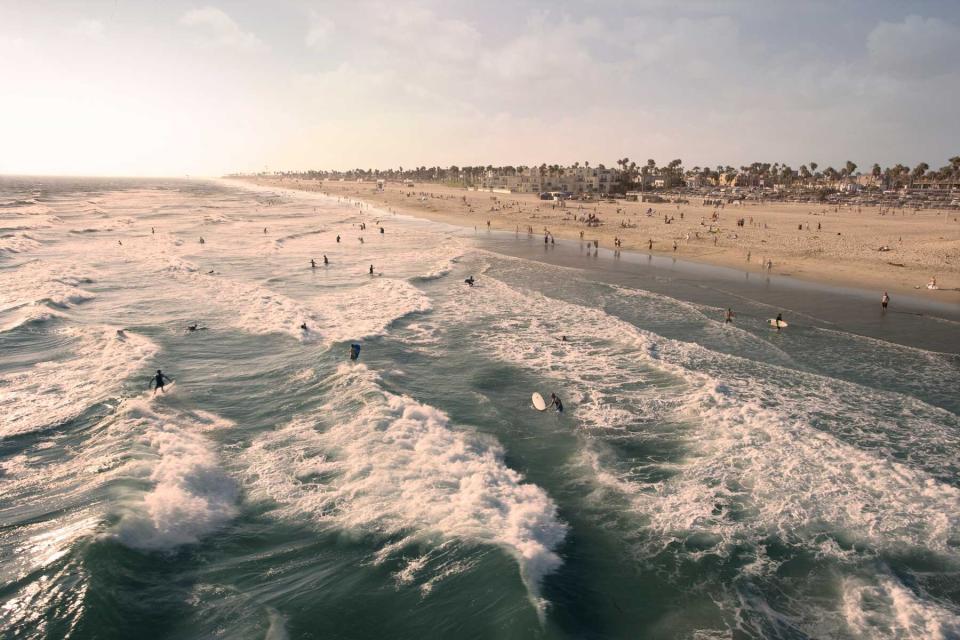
(222, 29)
(320, 28)
(87, 28)
(916, 47)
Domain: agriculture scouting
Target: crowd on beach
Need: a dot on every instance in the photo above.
(878, 246)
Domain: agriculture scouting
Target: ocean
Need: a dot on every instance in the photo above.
(706, 480)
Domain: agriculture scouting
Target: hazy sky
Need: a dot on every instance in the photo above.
(173, 88)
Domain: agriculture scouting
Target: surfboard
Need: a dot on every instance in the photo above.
(773, 323)
(538, 402)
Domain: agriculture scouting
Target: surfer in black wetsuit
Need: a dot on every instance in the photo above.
(313, 263)
(555, 402)
(371, 269)
(158, 381)
(325, 261)
(779, 320)
(304, 327)
(354, 351)
(470, 281)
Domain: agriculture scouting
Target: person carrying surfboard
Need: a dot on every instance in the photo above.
(779, 321)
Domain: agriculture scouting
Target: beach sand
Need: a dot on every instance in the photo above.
(844, 251)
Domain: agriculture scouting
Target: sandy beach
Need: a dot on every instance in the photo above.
(898, 251)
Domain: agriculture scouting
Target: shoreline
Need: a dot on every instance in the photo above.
(840, 255)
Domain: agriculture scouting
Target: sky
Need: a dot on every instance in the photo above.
(178, 88)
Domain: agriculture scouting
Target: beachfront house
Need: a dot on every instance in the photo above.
(574, 179)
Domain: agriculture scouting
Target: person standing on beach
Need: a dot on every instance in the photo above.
(884, 301)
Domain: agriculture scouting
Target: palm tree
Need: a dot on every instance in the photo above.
(850, 167)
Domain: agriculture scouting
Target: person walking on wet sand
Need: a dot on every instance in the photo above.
(884, 301)
(158, 381)
(729, 316)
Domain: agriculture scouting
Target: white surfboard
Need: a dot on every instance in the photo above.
(773, 323)
(538, 402)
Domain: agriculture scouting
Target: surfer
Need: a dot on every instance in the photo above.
(304, 327)
(470, 281)
(555, 402)
(192, 327)
(354, 351)
(264, 231)
(202, 241)
(371, 269)
(728, 316)
(313, 263)
(158, 381)
(325, 261)
(779, 321)
(884, 301)
(338, 238)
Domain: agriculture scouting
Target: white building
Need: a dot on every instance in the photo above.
(567, 179)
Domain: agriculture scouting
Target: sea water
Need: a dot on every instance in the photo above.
(706, 480)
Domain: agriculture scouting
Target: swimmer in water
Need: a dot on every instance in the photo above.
(470, 281)
(371, 269)
(158, 381)
(325, 261)
(313, 263)
(304, 327)
(338, 238)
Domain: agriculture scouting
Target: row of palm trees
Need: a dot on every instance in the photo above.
(629, 173)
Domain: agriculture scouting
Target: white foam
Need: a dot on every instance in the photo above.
(887, 609)
(190, 495)
(374, 461)
(755, 465)
(17, 243)
(50, 393)
(367, 310)
(41, 283)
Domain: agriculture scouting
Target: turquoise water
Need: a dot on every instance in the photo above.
(705, 481)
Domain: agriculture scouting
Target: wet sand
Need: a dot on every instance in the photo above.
(844, 251)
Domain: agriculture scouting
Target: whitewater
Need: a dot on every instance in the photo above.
(707, 480)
